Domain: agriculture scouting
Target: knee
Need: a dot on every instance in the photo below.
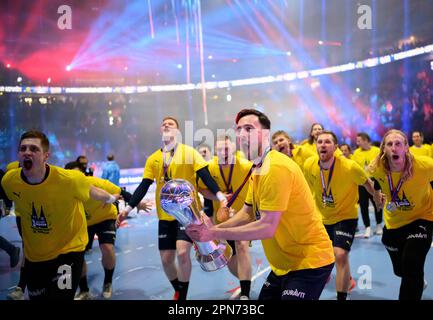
(167, 258)
(341, 256)
(242, 249)
(107, 248)
(183, 256)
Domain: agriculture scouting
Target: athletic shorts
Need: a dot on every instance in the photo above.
(342, 233)
(169, 232)
(105, 230)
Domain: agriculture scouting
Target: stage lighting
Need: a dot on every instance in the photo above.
(179, 66)
(229, 97)
(288, 53)
(8, 65)
(431, 65)
(320, 42)
(210, 57)
(68, 68)
(43, 100)
(49, 80)
(358, 90)
(19, 79)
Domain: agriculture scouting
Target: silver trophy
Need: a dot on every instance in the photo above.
(178, 198)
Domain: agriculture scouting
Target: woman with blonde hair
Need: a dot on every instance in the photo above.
(407, 199)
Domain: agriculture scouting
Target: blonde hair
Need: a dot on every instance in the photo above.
(382, 160)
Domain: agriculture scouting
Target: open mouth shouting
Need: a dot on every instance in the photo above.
(395, 157)
(27, 163)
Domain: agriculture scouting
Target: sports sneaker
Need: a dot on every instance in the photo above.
(83, 295)
(367, 233)
(379, 230)
(15, 257)
(16, 294)
(244, 298)
(107, 290)
(176, 295)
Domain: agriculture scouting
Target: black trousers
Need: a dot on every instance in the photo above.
(364, 198)
(407, 247)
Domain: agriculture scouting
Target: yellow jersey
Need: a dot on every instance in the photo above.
(313, 149)
(300, 154)
(97, 211)
(300, 240)
(52, 213)
(364, 157)
(341, 200)
(424, 150)
(415, 197)
(241, 168)
(13, 165)
(184, 163)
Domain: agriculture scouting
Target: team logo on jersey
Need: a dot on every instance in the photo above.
(39, 223)
(403, 203)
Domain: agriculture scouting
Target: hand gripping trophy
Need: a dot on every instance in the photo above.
(178, 198)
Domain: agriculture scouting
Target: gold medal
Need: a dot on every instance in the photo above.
(223, 214)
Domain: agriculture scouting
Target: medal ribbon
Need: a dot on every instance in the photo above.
(322, 178)
(256, 166)
(394, 192)
(227, 183)
(165, 164)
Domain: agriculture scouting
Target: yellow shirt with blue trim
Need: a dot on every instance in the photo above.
(186, 161)
(300, 240)
(342, 193)
(52, 212)
(415, 198)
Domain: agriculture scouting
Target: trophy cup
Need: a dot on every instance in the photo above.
(178, 198)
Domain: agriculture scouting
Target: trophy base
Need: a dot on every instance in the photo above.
(217, 259)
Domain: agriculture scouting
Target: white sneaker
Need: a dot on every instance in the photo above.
(379, 230)
(83, 295)
(244, 298)
(16, 294)
(367, 233)
(107, 291)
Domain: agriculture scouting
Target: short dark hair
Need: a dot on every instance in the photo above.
(72, 165)
(263, 119)
(80, 157)
(420, 133)
(345, 144)
(334, 137)
(172, 118)
(110, 157)
(45, 143)
(364, 136)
